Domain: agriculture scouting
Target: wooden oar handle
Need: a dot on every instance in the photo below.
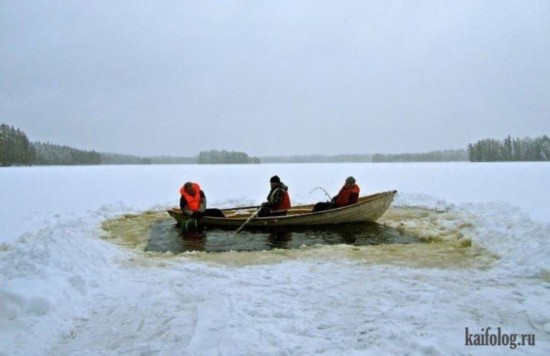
(247, 220)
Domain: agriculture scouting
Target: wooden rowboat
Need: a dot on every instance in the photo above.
(367, 209)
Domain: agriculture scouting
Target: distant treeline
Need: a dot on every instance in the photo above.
(526, 149)
(15, 147)
(225, 157)
(49, 154)
(114, 158)
(434, 156)
(173, 160)
(17, 150)
(210, 157)
(317, 159)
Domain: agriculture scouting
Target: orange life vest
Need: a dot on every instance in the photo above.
(343, 196)
(284, 204)
(193, 201)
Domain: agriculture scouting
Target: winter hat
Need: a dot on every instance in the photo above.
(350, 180)
(275, 179)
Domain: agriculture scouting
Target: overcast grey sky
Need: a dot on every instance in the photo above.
(277, 77)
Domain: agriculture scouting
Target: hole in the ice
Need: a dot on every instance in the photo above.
(409, 236)
(165, 236)
(153, 231)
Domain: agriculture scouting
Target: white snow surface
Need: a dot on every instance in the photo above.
(65, 289)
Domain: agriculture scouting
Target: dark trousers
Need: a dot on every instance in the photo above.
(265, 212)
(323, 206)
(213, 213)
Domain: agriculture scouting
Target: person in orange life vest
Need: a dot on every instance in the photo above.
(193, 200)
(278, 199)
(348, 194)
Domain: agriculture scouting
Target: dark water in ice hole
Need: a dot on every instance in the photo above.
(165, 236)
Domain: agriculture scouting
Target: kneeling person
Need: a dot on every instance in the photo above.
(193, 202)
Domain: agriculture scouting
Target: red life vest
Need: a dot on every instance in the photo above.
(193, 201)
(343, 197)
(284, 204)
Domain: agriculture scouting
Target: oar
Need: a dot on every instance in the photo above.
(248, 220)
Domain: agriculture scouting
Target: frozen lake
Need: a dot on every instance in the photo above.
(69, 285)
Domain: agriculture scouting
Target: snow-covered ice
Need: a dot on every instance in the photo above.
(67, 287)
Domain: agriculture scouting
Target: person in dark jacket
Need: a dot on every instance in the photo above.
(348, 194)
(278, 199)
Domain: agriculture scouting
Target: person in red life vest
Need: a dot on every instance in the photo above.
(193, 200)
(348, 194)
(278, 199)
